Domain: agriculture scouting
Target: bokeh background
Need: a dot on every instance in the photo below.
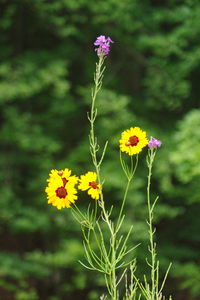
(152, 81)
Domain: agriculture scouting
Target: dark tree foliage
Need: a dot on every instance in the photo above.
(152, 81)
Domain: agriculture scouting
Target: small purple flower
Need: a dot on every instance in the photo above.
(154, 143)
(103, 44)
(100, 40)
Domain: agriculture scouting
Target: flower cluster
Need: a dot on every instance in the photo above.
(61, 190)
(103, 44)
(133, 140)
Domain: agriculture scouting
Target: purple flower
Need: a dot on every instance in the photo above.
(100, 40)
(103, 44)
(154, 143)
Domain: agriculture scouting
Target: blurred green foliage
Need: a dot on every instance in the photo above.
(46, 72)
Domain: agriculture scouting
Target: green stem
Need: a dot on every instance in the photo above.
(95, 213)
(113, 269)
(93, 141)
(94, 149)
(129, 174)
(123, 202)
(151, 156)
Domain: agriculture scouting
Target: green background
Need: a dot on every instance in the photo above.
(152, 81)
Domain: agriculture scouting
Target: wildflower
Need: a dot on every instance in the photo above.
(103, 44)
(133, 140)
(154, 143)
(60, 190)
(89, 182)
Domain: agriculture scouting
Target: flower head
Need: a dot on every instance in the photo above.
(103, 44)
(154, 143)
(60, 190)
(133, 140)
(88, 182)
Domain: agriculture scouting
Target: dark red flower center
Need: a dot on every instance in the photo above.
(61, 192)
(65, 181)
(93, 184)
(133, 141)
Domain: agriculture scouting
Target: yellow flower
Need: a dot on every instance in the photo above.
(60, 190)
(88, 182)
(133, 140)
